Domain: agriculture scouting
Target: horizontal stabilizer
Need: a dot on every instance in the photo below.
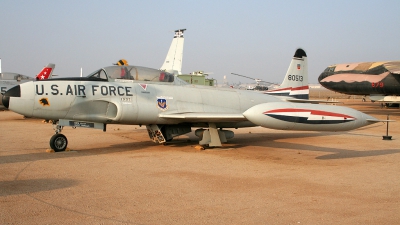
(310, 101)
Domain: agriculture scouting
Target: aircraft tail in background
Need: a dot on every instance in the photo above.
(295, 83)
(46, 72)
(173, 61)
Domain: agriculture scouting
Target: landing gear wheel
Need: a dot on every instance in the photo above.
(58, 142)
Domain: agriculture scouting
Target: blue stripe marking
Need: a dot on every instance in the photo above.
(304, 120)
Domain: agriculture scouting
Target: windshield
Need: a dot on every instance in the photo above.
(101, 73)
(132, 73)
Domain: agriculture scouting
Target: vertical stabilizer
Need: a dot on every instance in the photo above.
(46, 72)
(173, 61)
(295, 83)
(0, 65)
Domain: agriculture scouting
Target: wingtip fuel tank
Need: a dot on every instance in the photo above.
(306, 117)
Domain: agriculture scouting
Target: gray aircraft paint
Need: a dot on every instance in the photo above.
(169, 107)
(165, 102)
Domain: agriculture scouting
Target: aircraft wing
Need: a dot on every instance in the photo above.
(298, 100)
(204, 117)
(393, 67)
(309, 101)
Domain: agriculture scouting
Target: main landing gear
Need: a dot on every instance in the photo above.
(58, 142)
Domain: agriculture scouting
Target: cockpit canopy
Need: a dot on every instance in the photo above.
(135, 73)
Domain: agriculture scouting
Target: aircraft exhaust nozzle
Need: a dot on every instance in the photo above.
(12, 92)
(306, 117)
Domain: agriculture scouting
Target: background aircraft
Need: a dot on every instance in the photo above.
(260, 84)
(173, 61)
(168, 106)
(9, 80)
(379, 80)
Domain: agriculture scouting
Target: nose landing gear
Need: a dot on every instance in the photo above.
(58, 142)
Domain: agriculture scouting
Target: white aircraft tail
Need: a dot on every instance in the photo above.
(173, 61)
(46, 73)
(295, 83)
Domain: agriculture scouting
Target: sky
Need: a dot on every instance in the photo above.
(253, 38)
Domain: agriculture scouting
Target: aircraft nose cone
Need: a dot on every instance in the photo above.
(323, 75)
(12, 92)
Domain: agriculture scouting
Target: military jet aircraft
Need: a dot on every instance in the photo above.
(168, 106)
(9, 80)
(379, 80)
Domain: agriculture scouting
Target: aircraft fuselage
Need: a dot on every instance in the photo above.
(363, 78)
(363, 84)
(163, 103)
(130, 102)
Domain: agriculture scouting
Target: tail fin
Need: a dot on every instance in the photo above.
(46, 72)
(295, 83)
(173, 61)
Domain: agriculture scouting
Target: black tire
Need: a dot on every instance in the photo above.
(58, 142)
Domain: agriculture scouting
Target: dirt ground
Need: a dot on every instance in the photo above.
(261, 176)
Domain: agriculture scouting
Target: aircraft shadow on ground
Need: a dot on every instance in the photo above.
(37, 156)
(267, 140)
(16, 187)
(271, 141)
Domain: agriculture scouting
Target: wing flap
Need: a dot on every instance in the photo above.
(204, 117)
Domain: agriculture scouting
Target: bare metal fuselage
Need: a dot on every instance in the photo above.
(169, 103)
(134, 102)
